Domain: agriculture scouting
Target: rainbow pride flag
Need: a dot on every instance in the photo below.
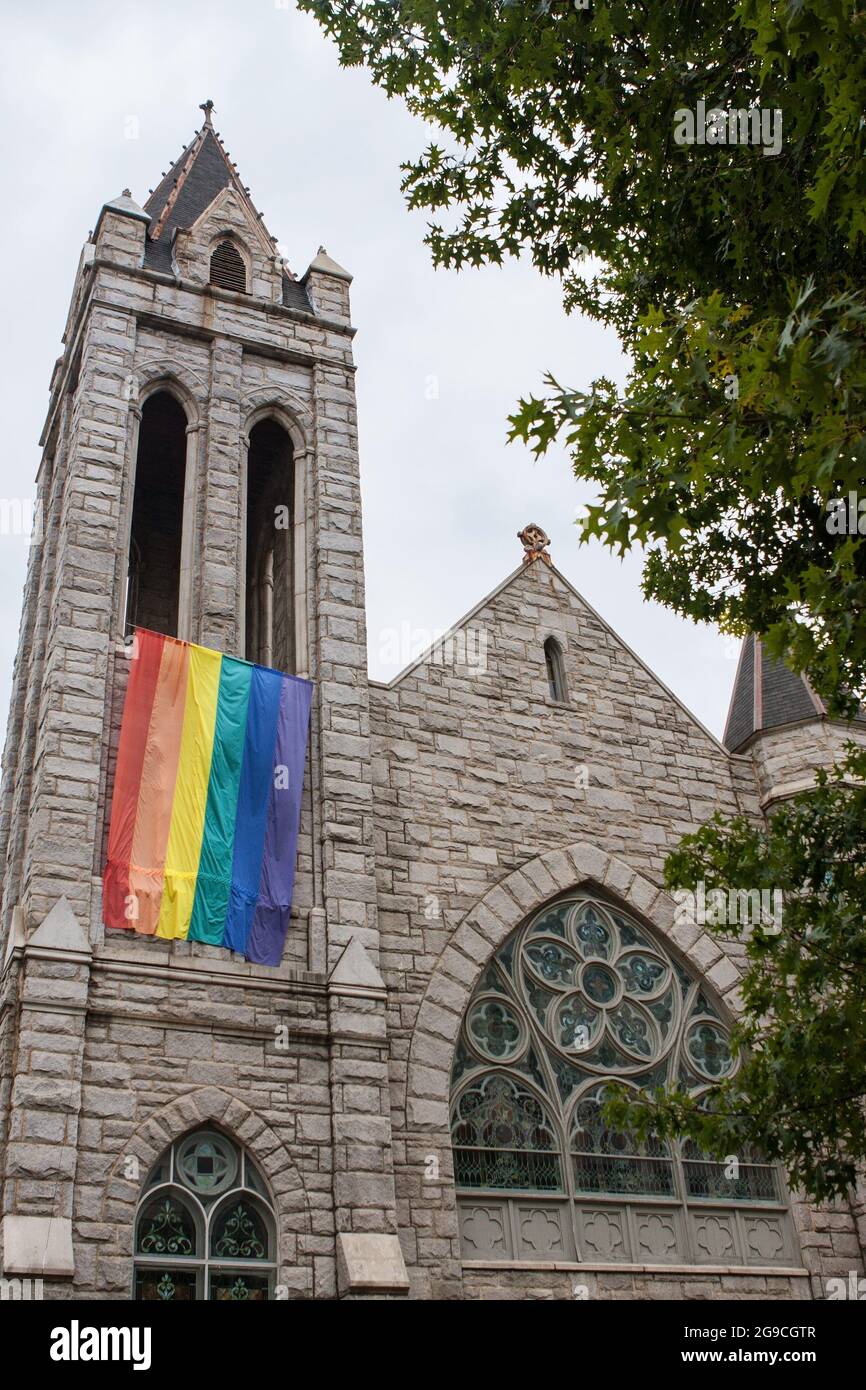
(207, 799)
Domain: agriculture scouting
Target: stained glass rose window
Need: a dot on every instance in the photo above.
(580, 995)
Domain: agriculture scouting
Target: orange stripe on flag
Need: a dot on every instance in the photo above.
(158, 777)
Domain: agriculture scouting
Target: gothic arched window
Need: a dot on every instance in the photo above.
(580, 995)
(205, 1227)
(156, 533)
(269, 601)
(555, 671)
(227, 267)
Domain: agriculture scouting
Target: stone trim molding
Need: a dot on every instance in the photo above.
(661, 1271)
(168, 374)
(494, 916)
(288, 409)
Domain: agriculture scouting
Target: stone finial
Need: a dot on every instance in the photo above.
(208, 108)
(61, 930)
(127, 206)
(328, 266)
(534, 541)
(355, 968)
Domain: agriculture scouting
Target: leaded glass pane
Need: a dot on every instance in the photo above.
(550, 923)
(238, 1232)
(160, 1172)
(538, 998)
(643, 974)
(733, 1180)
(498, 1113)
(600, 984)
(495, 1029)
(594, 936)
(155, 1285)
(239, 1287)
(166, 1227)
(579, 1024)
(463, 1062)
(254, 1178)
(708, 1050)
(606, 1160)
(552, 962)
(507, 1168)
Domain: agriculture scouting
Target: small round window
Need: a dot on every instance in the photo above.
(207, 1163)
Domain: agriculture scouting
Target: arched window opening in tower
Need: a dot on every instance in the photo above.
(555, 671)
(153, 577)
(227, 268)
(270, 636)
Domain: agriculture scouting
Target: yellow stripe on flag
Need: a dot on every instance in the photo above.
(190, 794)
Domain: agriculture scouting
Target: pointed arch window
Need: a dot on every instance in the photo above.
(580, 995)
(269, 587)
(555, 668)
(205, 1227)
(156, 534)
(227, 267)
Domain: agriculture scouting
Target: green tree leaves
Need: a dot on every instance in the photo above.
(709, 261)
(798, 1092)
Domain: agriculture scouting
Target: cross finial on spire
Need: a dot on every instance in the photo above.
(207, 107)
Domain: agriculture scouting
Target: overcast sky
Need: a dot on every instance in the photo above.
(104, 94)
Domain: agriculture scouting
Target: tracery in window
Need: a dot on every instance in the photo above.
(580, 995)
(205, 1228)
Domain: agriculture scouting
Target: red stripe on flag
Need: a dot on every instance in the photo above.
(137, 709)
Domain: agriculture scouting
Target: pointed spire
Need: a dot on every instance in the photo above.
(203, 169)
(126, 204)
(328, 266)
(766, 695)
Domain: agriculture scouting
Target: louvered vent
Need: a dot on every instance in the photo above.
(227, 269)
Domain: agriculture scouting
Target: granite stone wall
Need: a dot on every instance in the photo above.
(491, 800)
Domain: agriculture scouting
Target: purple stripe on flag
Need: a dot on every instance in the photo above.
(271, 920)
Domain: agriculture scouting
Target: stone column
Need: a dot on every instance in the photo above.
(369, 1258)
(71, 719)
(42, 1145)
(188, 544)
(222, 550)
(19, 754)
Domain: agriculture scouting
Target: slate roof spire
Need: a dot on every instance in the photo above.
(766, 695)
(200, 172)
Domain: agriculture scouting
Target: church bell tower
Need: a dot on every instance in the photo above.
(199, 478)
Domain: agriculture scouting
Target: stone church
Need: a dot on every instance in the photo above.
(408, 1105)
